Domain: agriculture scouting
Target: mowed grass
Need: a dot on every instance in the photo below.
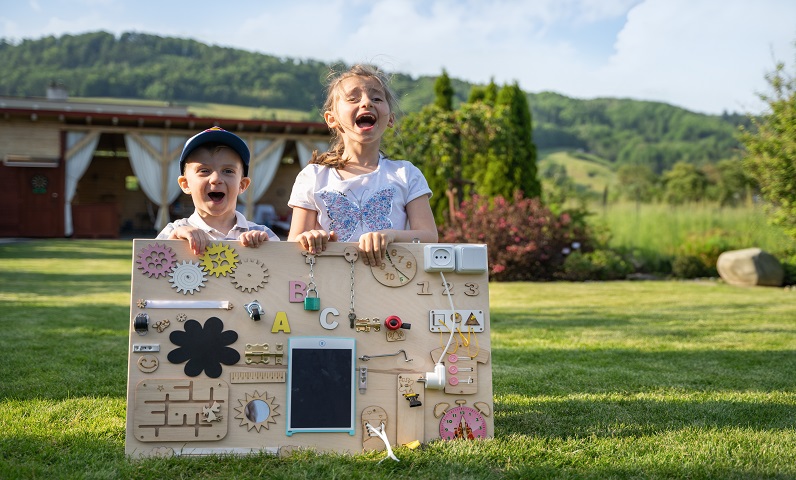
(591, 380)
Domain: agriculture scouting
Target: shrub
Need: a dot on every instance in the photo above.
(689, 266)
(526, 240)
(596, 265)
(788, 261)
(697, 255)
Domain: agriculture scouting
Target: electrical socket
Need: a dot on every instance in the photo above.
(439, 257)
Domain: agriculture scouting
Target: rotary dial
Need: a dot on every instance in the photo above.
(398, 268)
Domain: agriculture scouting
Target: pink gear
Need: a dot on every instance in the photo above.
(156, 260)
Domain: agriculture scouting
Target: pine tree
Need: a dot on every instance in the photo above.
(521, 151)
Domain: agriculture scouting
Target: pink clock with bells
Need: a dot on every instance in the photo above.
(461, 421)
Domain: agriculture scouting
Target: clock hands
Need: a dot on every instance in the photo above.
(395, 266)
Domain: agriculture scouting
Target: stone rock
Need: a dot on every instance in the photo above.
(750, 267)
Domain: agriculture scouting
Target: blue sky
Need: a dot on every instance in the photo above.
(705, 55)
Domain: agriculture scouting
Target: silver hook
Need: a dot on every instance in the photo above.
(365, 358)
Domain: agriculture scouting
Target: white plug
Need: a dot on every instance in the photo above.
(436, 380)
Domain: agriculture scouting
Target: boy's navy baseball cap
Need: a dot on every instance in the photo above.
(216, 135)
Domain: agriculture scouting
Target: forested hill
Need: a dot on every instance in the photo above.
(142, 66)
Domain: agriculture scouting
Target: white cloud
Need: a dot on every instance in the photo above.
(705, 55)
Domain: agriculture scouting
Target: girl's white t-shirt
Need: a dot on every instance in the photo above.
(365, 203)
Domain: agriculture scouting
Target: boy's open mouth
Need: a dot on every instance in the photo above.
(216, 196)
(366, 120)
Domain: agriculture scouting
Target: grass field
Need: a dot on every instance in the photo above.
(591, 380)
(655, 233)
(591, 173)
(217, 110)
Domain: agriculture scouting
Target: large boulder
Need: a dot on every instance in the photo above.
(750, 267)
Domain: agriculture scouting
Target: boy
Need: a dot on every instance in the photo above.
(214, 169)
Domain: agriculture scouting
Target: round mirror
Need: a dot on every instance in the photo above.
(257, 411)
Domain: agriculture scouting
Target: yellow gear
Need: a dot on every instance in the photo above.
(219, 260)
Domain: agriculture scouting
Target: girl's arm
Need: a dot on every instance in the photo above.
(421, 222)
(305, 230)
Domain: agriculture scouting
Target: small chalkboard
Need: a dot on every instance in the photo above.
(321, 385)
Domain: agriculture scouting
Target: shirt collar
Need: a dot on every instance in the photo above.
(240, 223)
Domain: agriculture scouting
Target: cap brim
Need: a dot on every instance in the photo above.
(217, 136)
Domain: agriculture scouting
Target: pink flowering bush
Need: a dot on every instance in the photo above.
(525, 239)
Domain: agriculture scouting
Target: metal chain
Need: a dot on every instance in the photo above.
(352, 288)
(352, 316)
(312, 285)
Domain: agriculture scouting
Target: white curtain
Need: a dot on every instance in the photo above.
(305, 148)
(76, 165)
(157, 176)
(262, 172)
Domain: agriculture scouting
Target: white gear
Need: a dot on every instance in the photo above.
(250, 275)
(187, 277)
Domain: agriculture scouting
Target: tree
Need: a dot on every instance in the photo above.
(684, 183)
(637, 182)
(486, 94)
(476, 149)
(771, 149)
(443, 91)
(429, 140)
(521, 152)
(559, 185)
(728, 182)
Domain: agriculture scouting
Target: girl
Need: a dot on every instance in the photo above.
(353, 193)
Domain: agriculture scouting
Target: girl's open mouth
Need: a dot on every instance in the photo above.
(366, 120)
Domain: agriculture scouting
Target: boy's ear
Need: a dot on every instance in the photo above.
(244, 184)
(183, 184)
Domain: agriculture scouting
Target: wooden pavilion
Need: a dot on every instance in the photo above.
(104, 170)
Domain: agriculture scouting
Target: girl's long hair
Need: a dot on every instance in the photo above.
(334, 156)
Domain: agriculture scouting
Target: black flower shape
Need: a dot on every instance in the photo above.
(205, 349)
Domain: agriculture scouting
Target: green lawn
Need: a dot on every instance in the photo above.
(591, 380)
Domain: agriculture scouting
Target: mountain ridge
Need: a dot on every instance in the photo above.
(149, 67)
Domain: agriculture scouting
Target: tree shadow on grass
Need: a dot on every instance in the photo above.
(64, 283)
(69, 249)
(580, 316)
(633, 417)
(575, 371)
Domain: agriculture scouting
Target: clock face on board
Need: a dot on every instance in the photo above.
(462, 422)
(398, 268)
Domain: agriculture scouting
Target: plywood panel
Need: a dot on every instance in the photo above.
(182, 294)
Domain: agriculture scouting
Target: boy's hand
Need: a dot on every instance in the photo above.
(198, 240)
(253, 238)
(315, 241)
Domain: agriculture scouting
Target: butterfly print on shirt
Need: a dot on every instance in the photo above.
(346, 216)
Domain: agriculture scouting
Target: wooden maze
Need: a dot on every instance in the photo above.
(244, 350)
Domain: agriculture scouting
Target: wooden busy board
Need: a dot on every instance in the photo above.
(209, 368)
